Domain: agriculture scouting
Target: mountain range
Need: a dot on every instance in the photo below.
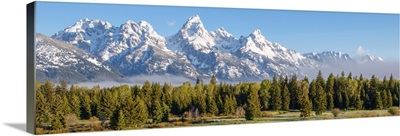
(133, 49)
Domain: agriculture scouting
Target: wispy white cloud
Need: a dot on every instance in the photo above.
(361, 51)
(171, 23)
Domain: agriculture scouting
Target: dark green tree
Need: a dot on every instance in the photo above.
(285, 98)
(294, 102)
(85, 107)
(107, 105)
(156, 111)
(276, 97)
(117, 121)
(304, 101)
(75, 104)
(329, 89)
(320, 101)
(211, 105)
(264, 94)
(252, 106)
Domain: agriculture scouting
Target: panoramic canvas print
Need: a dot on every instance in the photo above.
(102, 67)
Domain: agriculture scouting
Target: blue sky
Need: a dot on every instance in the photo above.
(302, 31)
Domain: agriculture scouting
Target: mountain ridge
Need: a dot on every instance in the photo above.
(136, 48)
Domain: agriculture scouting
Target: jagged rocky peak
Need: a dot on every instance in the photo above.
(194, 27)
(84, 24)
(222, 33)
(257, 36)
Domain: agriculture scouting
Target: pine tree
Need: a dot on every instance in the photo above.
(320, 101)
(117, 121)
(276, 97)
(313, 92)
(329, 89)
(165, 110)
(167, 91)
(107, 106)
(146, 93)
(211, 105)
(253, 106)
(156, 111)
(75, 105)
(56, 124)
(377, 101)
(329, 101)
(285, 98)
(294, 102)
(384, 99)
(213, 80)
(139, 112)
(200, 98)
(42, 109)
(393, 87)
(304, 101)
(85, 107)
(264, 94)
(389, 99)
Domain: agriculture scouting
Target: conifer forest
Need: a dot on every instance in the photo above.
(69, 108)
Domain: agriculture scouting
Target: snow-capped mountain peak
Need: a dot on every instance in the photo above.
(192, 36)
(369, 58)
(194, 27)
(136, 49)
(257, 36)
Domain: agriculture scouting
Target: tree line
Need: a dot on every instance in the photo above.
(120, 107)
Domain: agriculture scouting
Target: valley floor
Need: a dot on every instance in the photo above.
(267, 117)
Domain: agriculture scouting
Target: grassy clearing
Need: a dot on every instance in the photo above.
(267, 116)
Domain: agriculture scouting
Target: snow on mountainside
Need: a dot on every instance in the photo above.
(331, 57)
(136, 49)
(58, 60)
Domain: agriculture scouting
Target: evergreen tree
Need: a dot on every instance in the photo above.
(167, 91)
(146, 93)
(253, 106)
(117, 121)
(56, 124)
(377, 101)
(165, 110)
(393, 87)
(213, 80)
(389, 99)
(211, 105)
(313, 92)
(329, 101)
(156, 111)
(139, 112)
(384, 99)
(42, 109)
(276, 97)
(320, 101)
(107, 106)
(264, 94)
(64, 88)
(304, 101)
(75, 105)
(85, 107)
(330, 91)
(294, 102)
(200, 98)
(285, 98)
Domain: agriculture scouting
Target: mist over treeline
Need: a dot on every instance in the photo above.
(368, 69)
